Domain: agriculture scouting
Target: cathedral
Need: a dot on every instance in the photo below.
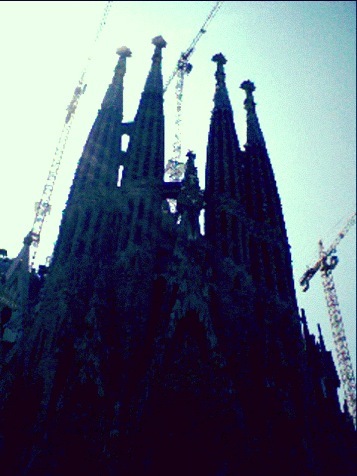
(152, 347)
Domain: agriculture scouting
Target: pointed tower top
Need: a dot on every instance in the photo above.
(154, 79)
(219, 59)
(124, 52)
(190, 160)
(190, 200)
(146, 146)
(114, 94)
(248, 86)
(159, 43)
(190, 179)
(221, 99)
(254, 133)
(249, 104)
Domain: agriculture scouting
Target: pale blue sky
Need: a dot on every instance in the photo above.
(300, 55)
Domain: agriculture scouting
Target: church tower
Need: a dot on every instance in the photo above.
(156, 349)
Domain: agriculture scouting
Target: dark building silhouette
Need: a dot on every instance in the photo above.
(149, 348)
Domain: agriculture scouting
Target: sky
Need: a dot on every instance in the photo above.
(300, 55)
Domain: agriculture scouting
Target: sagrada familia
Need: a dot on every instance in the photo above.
(149, 347)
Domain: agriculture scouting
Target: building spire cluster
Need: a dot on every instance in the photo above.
(150, 347)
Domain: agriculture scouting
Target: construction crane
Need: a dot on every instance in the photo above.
(43, 206)
(325, 264)
(175, 168)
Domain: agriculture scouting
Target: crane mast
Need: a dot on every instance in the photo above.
(326, 264)
(43, 207)
(175, 168)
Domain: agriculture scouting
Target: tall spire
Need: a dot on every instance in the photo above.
(154, 79)
(104, 137)
(97, 170)
(223, 168)
(114, 94)
(223, 145)
(263, 206)
(254, 133)
(146, 148)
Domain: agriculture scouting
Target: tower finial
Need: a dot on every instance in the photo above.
(221, 99)
(249, 87)
(191, 155)
(159, 43)
(254, 133)
(123, 52)
(220, 74)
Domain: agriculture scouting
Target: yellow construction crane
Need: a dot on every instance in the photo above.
(325, 264)
(175, 168)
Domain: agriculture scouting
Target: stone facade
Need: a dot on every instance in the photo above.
(153, 349)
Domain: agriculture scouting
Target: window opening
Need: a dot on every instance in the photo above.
(125, 138)
(120, 175)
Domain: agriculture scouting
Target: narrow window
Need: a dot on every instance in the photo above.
(202, 221)
(120, 175)
(124, 142)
